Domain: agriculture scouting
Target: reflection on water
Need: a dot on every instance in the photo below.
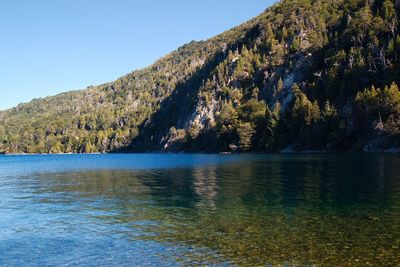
(242, 210)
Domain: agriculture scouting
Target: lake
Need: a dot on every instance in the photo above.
(185, 210)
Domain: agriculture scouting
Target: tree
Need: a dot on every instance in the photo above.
(272, 121)
(303, 110)
(388, 14)
(385, 102)
(381, 106)
(296, 44)
(252, 111)
(245, 131)
(56, 148)
(390, 100)
(361, 23)
(304, 119)
(279, 86)
(88, 147)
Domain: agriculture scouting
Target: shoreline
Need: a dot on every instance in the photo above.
(307, 152)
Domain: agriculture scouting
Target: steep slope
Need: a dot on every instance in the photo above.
(100, 118)
(293, 78)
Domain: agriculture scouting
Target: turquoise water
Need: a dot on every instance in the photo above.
(185, 210)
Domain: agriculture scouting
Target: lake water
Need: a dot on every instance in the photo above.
(185, 210)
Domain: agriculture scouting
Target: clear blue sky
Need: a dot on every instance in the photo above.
(51, 46)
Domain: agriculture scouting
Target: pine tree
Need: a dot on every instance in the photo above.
(245, 132)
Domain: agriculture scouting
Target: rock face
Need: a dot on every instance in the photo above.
(203, 115)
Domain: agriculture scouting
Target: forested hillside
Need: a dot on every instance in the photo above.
(304, 75)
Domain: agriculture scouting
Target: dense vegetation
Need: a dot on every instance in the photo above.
(304, 75)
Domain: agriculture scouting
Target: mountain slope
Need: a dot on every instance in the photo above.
(297, 77)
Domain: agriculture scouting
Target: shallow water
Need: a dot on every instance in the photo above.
(169, 210)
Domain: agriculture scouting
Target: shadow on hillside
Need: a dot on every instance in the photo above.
(174, 110)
